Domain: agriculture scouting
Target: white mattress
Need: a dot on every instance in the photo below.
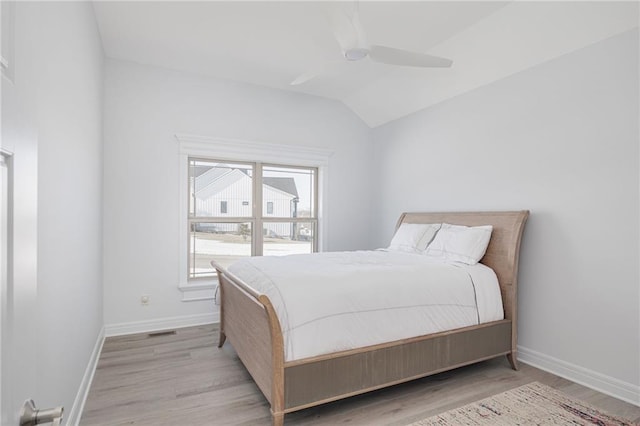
(329, 302)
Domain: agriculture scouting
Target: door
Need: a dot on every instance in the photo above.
(9, 408)
(18, 233)
(18, 265)
(4, 278)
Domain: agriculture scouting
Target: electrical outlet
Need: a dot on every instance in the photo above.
(145, 299)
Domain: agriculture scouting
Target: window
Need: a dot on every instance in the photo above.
(287, 194)
(202, 232)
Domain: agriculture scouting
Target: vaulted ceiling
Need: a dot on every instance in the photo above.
(270, 43)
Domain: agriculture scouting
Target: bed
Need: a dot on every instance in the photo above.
(249, 320)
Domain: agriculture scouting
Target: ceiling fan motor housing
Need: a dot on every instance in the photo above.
(356, 53)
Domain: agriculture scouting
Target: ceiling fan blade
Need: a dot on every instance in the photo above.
(342, 28)
(361, 37)
(392, 56)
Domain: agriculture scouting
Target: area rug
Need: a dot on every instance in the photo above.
(532, 404)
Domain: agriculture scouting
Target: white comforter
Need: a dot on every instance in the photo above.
(328, 302)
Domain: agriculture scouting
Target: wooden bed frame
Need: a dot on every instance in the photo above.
(249, 321)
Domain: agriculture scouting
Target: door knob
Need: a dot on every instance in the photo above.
(31, 416)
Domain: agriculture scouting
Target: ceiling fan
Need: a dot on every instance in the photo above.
(351, 37)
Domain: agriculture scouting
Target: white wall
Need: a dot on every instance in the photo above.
(70, 86)
(560, 139)
(144, 108)
(58, 98)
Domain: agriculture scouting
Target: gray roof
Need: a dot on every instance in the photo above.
(215, 179)
(285, 184)
(195, 171)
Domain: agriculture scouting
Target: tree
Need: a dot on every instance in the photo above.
(243, 229)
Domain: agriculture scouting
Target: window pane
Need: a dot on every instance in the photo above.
(220, 189)
(223, 242)
(281, 238)
(288, 192)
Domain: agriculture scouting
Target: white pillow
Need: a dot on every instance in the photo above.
(413, 237)
(460, 243)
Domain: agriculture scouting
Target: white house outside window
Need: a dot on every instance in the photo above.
(289, 229)
(281, 217)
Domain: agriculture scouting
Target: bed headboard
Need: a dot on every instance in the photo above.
(504, 247)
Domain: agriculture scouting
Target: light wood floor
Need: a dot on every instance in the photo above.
(183, 379)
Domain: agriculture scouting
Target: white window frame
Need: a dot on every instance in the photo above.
(243, 151)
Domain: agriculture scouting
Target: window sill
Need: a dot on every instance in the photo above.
(199, 291)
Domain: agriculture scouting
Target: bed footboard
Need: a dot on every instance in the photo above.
(321, 379)
(249, 321)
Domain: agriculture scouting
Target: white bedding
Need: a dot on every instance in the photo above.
(328, 302)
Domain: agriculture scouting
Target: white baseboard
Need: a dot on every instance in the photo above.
(602, 383)
(73, 419)
(159, 324)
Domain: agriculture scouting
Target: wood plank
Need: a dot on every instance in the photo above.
(215, 388)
